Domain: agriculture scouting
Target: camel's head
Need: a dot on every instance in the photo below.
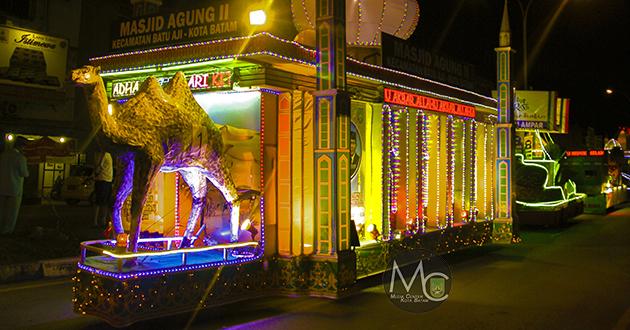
(87, 75)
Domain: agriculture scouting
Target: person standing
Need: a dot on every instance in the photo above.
(103, 177)
(13, 170)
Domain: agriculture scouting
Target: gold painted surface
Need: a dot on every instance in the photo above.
(297, 160)
(284, 174)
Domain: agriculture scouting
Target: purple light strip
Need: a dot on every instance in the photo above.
(124, 276)
(213, 58)
(203, 43)
(419, 78)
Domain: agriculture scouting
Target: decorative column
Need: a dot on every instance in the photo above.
(331, 150)
(332, 131)
(502, 231)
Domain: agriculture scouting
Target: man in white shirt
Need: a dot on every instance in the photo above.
(13, 170)
(103, 177)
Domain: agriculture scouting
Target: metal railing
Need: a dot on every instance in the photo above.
(107, 247)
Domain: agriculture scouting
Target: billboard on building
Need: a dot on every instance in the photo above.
(32, 59)
(534, 109)
(540, 110)
(406, 56)
(216, 20)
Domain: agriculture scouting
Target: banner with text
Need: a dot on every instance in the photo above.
(399, 54)
(32, 59)
(536, 110)
(215, 21)
(217, 79)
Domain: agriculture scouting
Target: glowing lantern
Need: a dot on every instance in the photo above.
(122, 240)
(365, 19)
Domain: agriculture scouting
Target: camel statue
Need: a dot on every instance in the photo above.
(159, 130)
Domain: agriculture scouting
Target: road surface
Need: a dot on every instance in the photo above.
(575, 277)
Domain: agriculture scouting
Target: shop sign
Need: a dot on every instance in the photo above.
(213, 21)
(584, 153)
(31, 59)
(219, 80)
(428, 103)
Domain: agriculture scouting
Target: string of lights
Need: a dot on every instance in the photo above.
(407, 128)
(473, 160)
(425, 168)
(438, 148)
(450, 176)
(418, 129)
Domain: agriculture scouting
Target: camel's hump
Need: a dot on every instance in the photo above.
(177, 84)
(150, 84)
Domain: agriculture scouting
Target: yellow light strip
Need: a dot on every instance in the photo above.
(163, 253)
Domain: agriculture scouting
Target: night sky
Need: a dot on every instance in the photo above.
(585, 52)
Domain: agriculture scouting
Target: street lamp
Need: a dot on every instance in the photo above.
(524, 12)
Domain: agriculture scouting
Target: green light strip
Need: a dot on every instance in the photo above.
(537, 133)
(124, 73)
(545, 187)
(553, 203)
(198, 64)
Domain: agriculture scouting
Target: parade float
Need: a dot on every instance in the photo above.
(546, 193)
(252, 165)
(599, 175)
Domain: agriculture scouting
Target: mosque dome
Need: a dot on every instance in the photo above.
(365, 20)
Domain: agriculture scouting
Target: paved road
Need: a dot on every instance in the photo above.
(577, 277)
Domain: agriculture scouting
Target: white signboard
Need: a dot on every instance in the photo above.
(32, 59)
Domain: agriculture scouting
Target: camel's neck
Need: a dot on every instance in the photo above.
(97, 106)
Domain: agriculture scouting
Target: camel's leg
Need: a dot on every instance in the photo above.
(224, 183)
(198, 188)
(123, 184)
(235, 217)
(144, 172)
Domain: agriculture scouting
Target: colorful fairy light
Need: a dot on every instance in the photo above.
(472, 215)
(429, 81)
(417, 130)
(463, 197)
(308, 17)
(177, 269)
(492, 173)
(425, 168)
(177, 251)
(402, 22)
(380, 22)
(207, 59)
(485, 171)
(438, 148)
(395, 154)
(177, 223)
(203, 43)
(360, 17)
(450, 175)
(387, 167)
(407, 128)
(262, 166)
(414, 23)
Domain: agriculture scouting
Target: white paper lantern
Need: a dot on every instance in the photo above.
(365, 19)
